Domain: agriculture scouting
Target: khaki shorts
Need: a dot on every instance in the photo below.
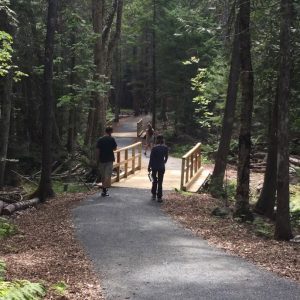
(106, 169)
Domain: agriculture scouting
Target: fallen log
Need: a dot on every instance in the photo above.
(260, 155)
(1, 206)
(11, 198)
(8, 200)
(11, 208)
(258, 164)
(294, 161)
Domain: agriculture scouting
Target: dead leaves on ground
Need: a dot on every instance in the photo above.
(194, 212)
(45, 249)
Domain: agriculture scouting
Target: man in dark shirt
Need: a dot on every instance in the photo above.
(105, 154)
(158, 159)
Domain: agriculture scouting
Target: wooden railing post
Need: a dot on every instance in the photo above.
(118, 167)
(133, 160)
(199, 160)
(126, 163)
(187, 170)
(132, 157)
(191, 166)
(140, 149)
(139, 127)
(182, 173)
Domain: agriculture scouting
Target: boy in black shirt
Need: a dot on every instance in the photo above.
(158, 159)
(105, 153)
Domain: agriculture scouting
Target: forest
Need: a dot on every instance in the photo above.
(223, 73)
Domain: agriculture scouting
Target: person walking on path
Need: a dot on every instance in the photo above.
(158, 159)
(149, 138)
(105, 154)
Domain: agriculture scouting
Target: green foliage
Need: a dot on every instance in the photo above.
(73, 187)
(60, 288)
(295, 197)
(6, 229)
(5, 53)
(295, 205)
(210, 86)
(2, 270)
(179, 150)
(230, 189)
(19, 289)
(183, 193)
(262, 228)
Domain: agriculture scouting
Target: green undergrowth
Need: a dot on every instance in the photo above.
(6, 229)
(59, 288)
(59, 187)
(19, 289)
(183, 193)
(295, 205)
(263, 228)
(27, 290)
(72, 187)
(180, 150)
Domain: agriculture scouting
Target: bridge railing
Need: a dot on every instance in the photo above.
(139, 128)
(128, 161)
(191, 167)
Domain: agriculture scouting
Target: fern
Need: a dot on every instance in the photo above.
(2, 270)
(21, 290)
(60, 288)
(6, 228)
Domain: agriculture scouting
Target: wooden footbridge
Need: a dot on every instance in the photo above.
(130, 168)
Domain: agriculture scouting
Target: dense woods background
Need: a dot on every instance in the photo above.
(222, 72)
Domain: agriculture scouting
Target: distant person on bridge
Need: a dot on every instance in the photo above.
(158, 159)
(149, 137)
(105, 154)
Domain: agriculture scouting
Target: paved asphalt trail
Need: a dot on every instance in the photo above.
(140, 253)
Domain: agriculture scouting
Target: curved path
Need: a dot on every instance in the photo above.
(140, 253)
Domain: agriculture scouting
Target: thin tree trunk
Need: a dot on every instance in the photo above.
(6, 24)
(90, 122)
(45, 186)
(266, 202)
(217, 178)
(283, 229)
(72, 111)
(5, 123)
(154, 65)
(103, 50)
(118, 83)
(95, 110)
(247, 81)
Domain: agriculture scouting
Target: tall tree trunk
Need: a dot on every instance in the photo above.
(266, 202)
(72, 110)
(217, 178)
(6, 105)
(94, 112)
(118, 83)
(103, 50)
(7, 25)
(154, 100)
(283, 229)
(90, 121)
(45, 186)
(243, 180)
